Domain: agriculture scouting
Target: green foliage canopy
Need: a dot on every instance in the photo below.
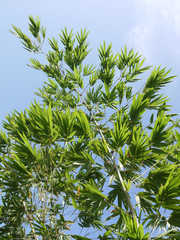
(83, 160)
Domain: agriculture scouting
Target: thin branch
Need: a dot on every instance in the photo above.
(114, 164)
(30, 219)
(152, 166)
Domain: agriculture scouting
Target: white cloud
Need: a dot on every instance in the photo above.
(156, 32)
(156, 35)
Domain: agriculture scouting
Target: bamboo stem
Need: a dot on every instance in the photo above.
(132, 212)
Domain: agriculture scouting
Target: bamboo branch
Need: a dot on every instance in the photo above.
(30, 218)
(132, 212)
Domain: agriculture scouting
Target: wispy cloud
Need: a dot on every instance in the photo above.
(157, 30)
(156, 35)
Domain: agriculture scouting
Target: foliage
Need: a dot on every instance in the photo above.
(83, 163)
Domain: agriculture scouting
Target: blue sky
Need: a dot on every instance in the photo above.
(150, 27)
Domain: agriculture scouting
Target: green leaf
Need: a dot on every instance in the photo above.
(174, 218)
(120, 132)
(78, 237)
(84, 123)
(93, 189)
(74, 203)
(138, 107)
(54, 44)
(170, 232)
(34, 26)
(152, 118)
(88, 70)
